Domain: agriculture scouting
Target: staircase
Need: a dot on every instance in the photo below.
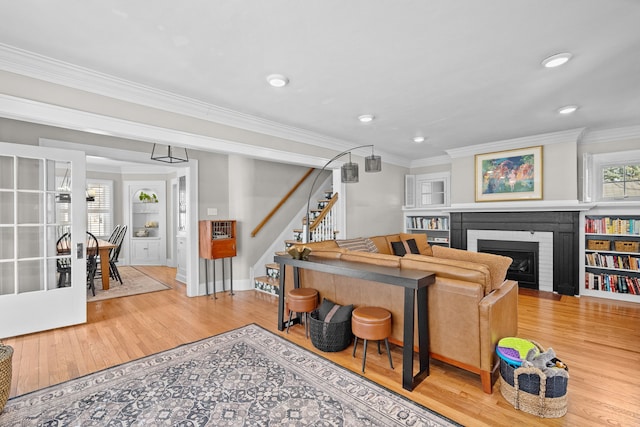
(322, 227)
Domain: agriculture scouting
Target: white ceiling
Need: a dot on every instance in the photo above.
(460, 72)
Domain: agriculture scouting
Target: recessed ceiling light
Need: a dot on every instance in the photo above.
(418, 139)
(567, 109)
(277, 80)
(366, 118)
(557, 60)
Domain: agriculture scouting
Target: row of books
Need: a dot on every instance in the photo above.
(426, 223)
(608, 225)
(625, 262)
(612, 283)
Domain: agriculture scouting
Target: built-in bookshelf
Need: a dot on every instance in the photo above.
(434, 225)
(612, 256)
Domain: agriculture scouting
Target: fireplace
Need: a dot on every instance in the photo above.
(524, 268)
(556, 232)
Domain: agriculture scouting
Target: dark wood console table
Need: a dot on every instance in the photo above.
(414, 282)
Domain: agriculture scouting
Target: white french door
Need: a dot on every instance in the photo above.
(42, 197)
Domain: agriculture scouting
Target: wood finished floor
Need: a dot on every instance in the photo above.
(598, 339)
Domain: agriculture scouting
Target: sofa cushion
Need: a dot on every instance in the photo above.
(360, 244)
(421, 240)
(404, 247)
(497, 264)
(331, 312)
(382, 244)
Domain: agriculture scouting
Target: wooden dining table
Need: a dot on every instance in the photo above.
(103, 250)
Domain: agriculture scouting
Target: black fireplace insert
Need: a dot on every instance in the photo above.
(524, 268)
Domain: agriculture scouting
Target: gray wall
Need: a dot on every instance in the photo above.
(559, 174)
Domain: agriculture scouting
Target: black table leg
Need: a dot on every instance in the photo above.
(423, 330)
(407, 346)
(281, 299)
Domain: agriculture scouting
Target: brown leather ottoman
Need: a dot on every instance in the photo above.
(302, 300)
(371, 323)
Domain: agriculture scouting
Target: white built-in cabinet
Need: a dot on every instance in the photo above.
(424, 198)
(147, 205)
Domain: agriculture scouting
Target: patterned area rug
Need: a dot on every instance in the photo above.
(245, 377)
(134, 282)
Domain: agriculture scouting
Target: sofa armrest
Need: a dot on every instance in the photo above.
(498, 319)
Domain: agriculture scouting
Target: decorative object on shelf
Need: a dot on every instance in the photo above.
(148, 198)
(170, 156)
(142, 233)
(349, 174)
(509, 175)
(297, 254)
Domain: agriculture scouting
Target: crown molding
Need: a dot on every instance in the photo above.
(611, 135)
(41, 67)
(430, 161)
(53, 115)
(510, 144)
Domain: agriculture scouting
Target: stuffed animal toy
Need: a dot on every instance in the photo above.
(547, 362)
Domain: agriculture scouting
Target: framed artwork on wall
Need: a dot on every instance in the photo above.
(509, 175)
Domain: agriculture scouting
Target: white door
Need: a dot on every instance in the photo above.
(42, 197)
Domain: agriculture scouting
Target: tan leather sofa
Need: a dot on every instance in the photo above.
(471, 305)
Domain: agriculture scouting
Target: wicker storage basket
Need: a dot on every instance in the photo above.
(624, 246)
(6, 355)
(330, 336)
(530, 390)
(599, 245)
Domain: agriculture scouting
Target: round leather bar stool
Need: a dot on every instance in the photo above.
(302, 300)
(371, 323)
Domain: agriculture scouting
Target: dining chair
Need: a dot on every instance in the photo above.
(115, 253)
(63, 265)
(92, 261)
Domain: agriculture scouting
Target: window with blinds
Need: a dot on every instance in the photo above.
(100, 210)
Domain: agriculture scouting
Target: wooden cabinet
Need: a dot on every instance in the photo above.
(611, 261)
(217, 239)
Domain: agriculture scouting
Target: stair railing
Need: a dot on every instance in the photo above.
(282, 202)
(323, 227)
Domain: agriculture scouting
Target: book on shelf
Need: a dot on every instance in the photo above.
(612, 283)
(623, 262)
(428, 223)
(607, 225)
(441, 239)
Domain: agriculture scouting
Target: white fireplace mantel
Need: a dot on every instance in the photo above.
(521, 206)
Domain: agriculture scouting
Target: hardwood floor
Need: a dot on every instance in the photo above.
(598, 339)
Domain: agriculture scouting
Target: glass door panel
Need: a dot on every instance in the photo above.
(42, 284)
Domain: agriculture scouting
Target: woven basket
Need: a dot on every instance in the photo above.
(329, 336)
(6, 355)
(598, 245)
(530, 390)
(624, 246)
